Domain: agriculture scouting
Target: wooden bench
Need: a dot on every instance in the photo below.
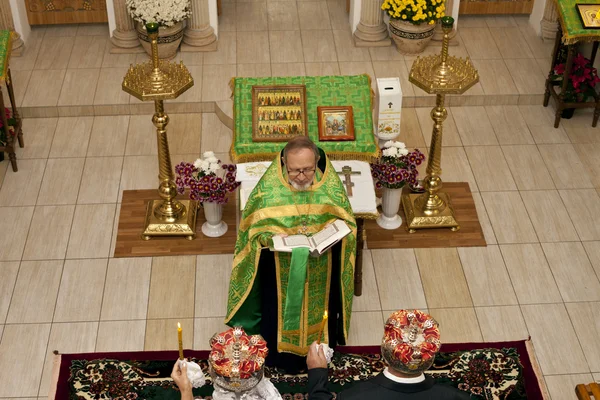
(588, 392)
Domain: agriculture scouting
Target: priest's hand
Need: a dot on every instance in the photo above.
(316, 357)
(179, 376)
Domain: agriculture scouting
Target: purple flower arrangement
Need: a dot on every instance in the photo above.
(207, 179)
(397, 166)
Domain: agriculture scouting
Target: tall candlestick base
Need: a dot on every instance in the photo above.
(440, 75)
(182, 225)
(158, 81)
(416, 217)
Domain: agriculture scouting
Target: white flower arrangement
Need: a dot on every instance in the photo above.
(394, 149)
(163, 12)
(208, 164)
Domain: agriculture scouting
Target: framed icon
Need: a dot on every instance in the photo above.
(278, 112)
(590, 15)
(335, 123)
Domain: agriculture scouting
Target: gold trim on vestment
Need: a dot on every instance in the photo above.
(291, 348)
(304, 332)
(283, 211)
(342, 294)
(304, 311)
(329, 275)
(279, 299)
(240, 303)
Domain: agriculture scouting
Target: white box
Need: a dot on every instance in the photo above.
(389, 106)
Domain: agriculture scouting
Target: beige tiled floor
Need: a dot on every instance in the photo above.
(536, 188)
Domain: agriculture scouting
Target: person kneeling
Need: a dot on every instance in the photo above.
(236, 367)
(410, 342)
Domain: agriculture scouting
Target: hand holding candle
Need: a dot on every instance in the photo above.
(180, 338)
(323, 324)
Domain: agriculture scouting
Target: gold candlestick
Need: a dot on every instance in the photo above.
(440, 74)
(158, 81)
(322, 329)
(180, 339)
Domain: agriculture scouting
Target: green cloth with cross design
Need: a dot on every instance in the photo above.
(352, 91)
(5, 48)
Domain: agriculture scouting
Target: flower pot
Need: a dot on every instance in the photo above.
(410, 38)
(214, 225)
(567, 113)
(390, 204)
(169, 39)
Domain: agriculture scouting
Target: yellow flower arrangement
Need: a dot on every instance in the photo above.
(415, 11)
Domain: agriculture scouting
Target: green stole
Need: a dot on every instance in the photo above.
(274, 207)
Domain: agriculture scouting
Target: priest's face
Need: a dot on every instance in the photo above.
(301, 165)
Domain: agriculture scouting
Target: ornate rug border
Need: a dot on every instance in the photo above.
(531, 370)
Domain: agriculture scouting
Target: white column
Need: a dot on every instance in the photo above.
(199, 35)
(125, 35)
(549, 23)
(371, 31)
(7, 23)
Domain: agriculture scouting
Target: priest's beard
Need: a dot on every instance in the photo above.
(297, 186)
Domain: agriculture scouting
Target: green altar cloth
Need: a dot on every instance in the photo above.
(572, 26)
(352, 91)
(5, 48)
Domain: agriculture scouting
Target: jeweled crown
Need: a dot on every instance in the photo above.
(410, 342)
(237, 360)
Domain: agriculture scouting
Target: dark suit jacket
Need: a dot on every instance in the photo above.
(382, 388)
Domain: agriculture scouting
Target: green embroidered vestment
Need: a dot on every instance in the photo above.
(274, 207)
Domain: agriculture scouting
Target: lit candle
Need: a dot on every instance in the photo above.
(180, 338)
(323, 323)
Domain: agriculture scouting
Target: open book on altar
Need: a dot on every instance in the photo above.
(317, 243)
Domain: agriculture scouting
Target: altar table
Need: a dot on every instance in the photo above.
(352, 91)
(570, 33)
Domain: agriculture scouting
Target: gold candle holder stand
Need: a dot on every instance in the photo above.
(158, 81)
(439, 74)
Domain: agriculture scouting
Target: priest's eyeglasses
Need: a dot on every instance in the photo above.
(296, 172)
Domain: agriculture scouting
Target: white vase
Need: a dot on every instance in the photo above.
(390, 204)
(214, 225)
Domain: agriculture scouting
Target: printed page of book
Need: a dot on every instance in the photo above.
(296, 241)
(286, 244)
(329, 236)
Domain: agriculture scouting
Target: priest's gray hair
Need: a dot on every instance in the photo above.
(299, 143)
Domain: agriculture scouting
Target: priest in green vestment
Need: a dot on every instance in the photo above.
(300, 193)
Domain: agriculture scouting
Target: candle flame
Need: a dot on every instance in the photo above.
(325, 315)
(178, 326)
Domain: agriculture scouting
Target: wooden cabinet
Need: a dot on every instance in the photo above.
(468, 7)
(42, 12)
